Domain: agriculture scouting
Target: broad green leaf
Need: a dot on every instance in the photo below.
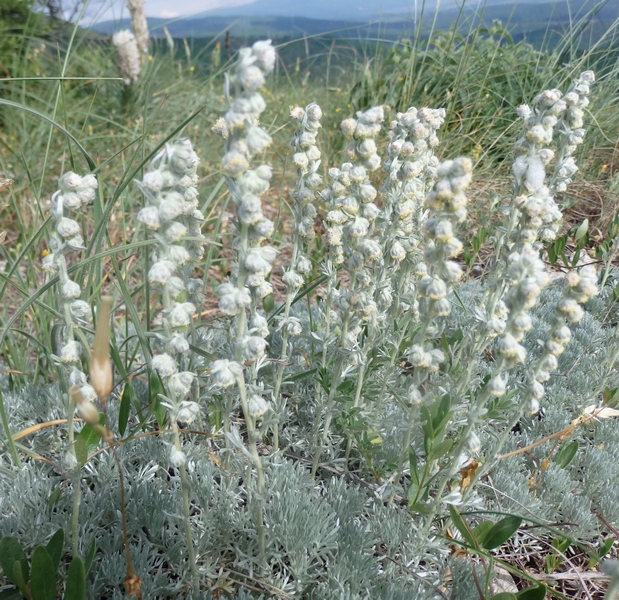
(500, 532)
(90, 435)
(90, 556)
(156, 391)
(411, 495)
(55, 548)
(76, 581)
(535, 592)
(125, 407)
(567, 454)
(414, 465)
(43, 575)
(504, 596)
(20, 580)
(441, 449)
(482, 529)
(582, 230)
(10, 553)
(11, 594)
(53, 498)
(81, 449)
(461, 525)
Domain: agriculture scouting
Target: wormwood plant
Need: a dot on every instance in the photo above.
(345, 424)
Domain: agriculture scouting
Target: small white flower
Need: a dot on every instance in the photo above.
(304, 266)
(257, 406)
(473, 442)
(70, 290)
(160, 272)
(496, 386)
(88, 411)
(69, 461)
(179, 384)
(251, 78)
(249, 210)
(178, 255)
(164, 364)
(175, 232)
(68, 228)
(70, 352)
(260, 326)
(188, 412)
(224, 372)
(80, 310)
(172, 207)
(397, 252)
(178, 343)
(70, 181)
(265, 55)
(77, 377)
(258, 140)
(297, 113)
(292, 279)
(177, 458)
(176, 286)
(253, 347)
(150, 217)
(49, 263)
(181, 313)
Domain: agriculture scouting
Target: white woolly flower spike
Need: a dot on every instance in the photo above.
(128, 56)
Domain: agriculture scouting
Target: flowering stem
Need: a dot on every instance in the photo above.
(290, 294)
(253, 448)
(335, 382)
(323, 364)
(77, 496)
(186, 512)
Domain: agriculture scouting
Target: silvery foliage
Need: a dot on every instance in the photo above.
(338, 524)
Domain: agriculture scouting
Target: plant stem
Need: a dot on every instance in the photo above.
(186, 512)
(290, 294)
(257, 462)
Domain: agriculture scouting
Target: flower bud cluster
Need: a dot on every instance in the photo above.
(307, 160)
(350, 222)
(527, 276)
(411, 168)
(73, 194)
(539, 214)
(411, 171)
(579, 288)
(129, 62)
(447, 205)
(570, 131)
(360, 134)
(172, 215)
(244, 138)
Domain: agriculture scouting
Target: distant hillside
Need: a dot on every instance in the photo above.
(536, 21)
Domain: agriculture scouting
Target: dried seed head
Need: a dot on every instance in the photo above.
(101, 375)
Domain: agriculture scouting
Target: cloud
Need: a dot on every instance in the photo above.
(103, 10)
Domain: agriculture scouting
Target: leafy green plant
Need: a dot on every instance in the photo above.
(37, 579)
